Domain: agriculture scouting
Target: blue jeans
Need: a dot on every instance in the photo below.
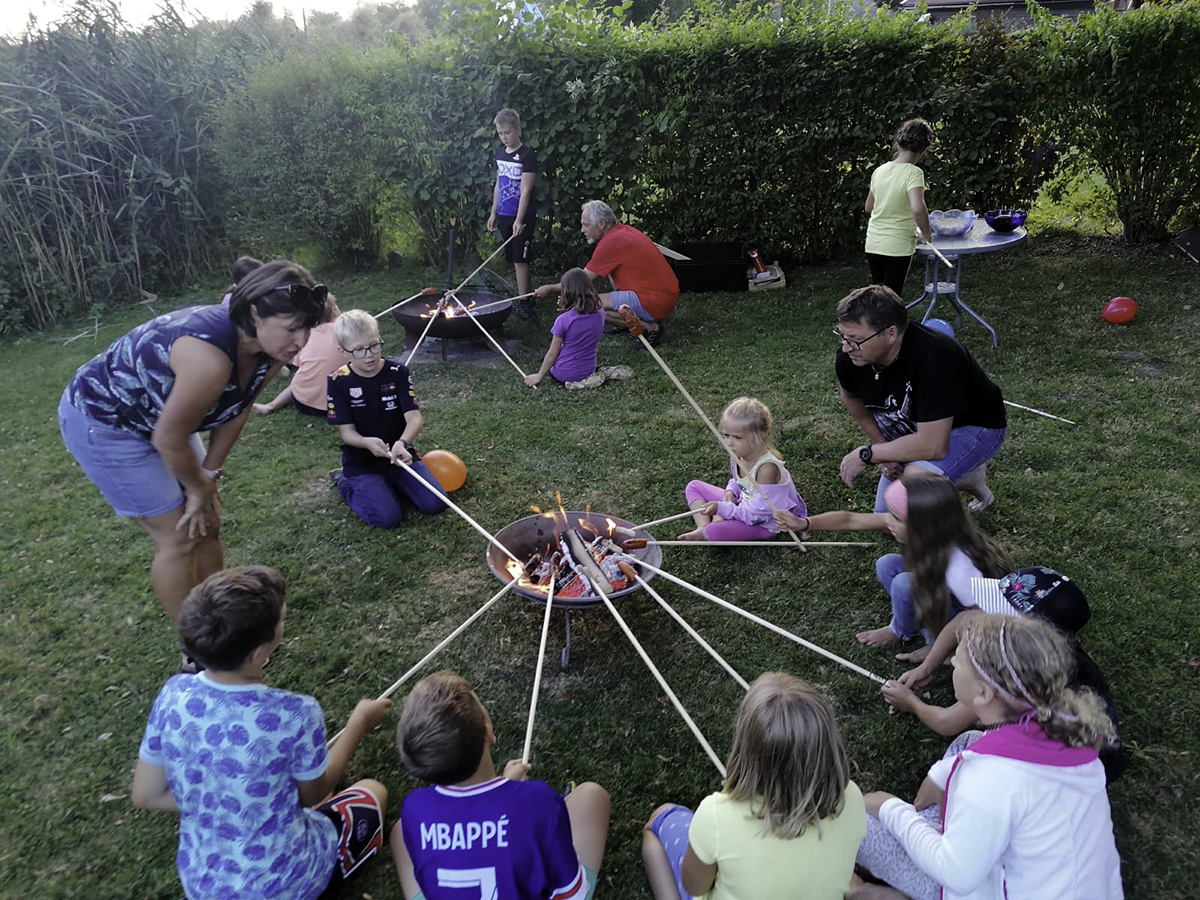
(376, 498)
(906, 622)
(970, 447)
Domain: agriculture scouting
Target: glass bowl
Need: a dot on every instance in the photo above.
(951, 222)
(1005, 220)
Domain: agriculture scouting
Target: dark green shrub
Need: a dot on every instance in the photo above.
(1127, 88)
(290, 148)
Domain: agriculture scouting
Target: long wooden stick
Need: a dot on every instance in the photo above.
(423, 293)
(644, 525)
(454, 293)
(756, 619)
(662, 681)
(438, 649)
(1038, 411)
(433, 315)
(488, 335)
(936, 251)
(450, 503)
(631, 572)
(789, 546)
(537, 678)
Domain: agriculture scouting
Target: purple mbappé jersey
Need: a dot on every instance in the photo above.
(509, 840)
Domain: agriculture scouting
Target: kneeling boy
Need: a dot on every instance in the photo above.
(371, 400)
(501, 835)
(244, 764)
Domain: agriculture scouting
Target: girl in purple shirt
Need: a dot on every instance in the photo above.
(571, 358)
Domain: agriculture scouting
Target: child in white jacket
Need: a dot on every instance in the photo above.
(1024, 812)
(760, 485)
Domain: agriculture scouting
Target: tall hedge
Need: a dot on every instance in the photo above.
(1125, 92)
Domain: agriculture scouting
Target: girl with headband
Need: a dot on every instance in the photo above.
(1024, 811)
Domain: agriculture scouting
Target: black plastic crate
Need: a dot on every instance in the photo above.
(711, 267)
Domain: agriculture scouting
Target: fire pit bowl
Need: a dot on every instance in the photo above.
(414, 316)
(533, 534)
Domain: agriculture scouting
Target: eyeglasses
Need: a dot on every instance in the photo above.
(315, 294)
(857, 345)
(369, 350)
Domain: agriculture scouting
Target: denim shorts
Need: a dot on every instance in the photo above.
(630, 299)
(126, 468)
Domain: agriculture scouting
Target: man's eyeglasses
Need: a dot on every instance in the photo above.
(363, 352)
(315, 294)
(857, 345)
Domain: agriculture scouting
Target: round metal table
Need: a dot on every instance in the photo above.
(942, 280)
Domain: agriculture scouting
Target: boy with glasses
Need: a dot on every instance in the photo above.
(372, 402)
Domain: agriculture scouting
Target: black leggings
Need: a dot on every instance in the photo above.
(889, 271)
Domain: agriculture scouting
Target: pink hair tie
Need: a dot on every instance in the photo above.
(896, 498)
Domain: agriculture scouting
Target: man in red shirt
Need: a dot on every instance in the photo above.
(642, 279)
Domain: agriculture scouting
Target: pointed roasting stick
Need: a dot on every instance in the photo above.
(631, 573)
(1038, 411)
(423, 293)
(433, 314)
(454, 293)
(537, 678)
(645, 525)
(485, 306)
(438, 649)
(487, 334)
(936, 251)
(450, 503)
(662, 681)
(639, 543)
(753, 618)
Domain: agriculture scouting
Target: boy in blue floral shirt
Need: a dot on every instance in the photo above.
(245, 765)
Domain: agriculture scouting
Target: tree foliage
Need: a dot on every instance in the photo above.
(1126, 91)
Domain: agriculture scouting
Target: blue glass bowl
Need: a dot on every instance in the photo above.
(1005, 220)
(951, 222)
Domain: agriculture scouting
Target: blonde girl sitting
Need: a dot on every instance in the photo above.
(788, 821)
(1024, 811)
(759, 484)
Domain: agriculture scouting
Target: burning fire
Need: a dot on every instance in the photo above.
(572, 553)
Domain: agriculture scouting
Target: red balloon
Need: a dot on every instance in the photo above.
(1120, 310)
(447, 468)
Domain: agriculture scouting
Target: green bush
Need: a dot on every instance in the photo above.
(1126, 94)
(297, 159)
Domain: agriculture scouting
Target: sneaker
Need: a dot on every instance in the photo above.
(525, 308)
(593, 380)
(658, 335)
(336, 476)
(615, 373)
(615, 329)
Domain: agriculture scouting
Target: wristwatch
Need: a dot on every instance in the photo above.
(865, 454)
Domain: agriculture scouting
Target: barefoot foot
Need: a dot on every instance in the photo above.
(975, 484)
(878, 637)
(694, 535)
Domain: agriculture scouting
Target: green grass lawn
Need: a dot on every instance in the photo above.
(1111, 501)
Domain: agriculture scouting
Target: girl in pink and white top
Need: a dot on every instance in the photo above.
(1024, 812)
(759, 484)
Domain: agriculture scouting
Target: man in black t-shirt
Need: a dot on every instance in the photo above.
(918, 396)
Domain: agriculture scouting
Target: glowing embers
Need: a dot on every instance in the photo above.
(572, 545)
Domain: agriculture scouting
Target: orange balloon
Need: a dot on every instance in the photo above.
(447, 468)
(1120, 310)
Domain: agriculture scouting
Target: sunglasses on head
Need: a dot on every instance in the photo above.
(315, 294)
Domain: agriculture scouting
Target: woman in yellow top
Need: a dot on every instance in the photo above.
(896, 203)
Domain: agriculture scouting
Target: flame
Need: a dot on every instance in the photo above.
(612, 526)
(515, 569)
(450, 312)
(536, 509)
